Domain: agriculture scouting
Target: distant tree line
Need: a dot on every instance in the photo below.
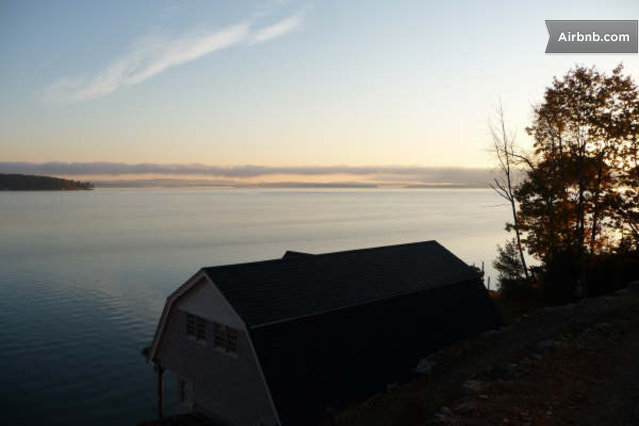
(17, 182)
(575, 208)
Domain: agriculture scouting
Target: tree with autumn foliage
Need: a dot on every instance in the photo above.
(580, 192)
(579, 199)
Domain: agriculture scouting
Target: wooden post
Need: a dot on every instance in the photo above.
(160, 371)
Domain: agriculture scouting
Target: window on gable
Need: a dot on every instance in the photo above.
(190, 325)
(220, 335)
(196, 327)
(200, 329)
(225, 338)
(231, 340)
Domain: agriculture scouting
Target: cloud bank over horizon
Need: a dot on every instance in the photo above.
(151, 55)
(412, 176)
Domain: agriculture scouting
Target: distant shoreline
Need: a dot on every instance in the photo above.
(19, 182)
(204, 184)
(22, 182)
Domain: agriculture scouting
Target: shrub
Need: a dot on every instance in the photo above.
(610, 272)
(560, 279)
(511, 280)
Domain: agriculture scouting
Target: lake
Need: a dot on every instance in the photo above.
(84, 275)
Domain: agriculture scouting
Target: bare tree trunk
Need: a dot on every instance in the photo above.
(504, 149)
(581, 188)
(595, 212)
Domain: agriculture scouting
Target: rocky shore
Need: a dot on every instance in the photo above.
(576, 364)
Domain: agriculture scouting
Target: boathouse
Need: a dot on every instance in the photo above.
(284, 341)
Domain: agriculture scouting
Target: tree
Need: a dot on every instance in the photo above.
(508, 263)
(629, 177)
(574, 197)
(513, 284)
(504, 148)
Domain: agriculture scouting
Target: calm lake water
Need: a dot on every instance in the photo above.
(84, 275)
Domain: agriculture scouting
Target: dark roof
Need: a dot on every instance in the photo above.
(340, 357)
(290, 254)
(331, 329)
(281, 289)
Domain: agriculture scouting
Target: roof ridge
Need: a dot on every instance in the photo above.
(323, 255)
(366, 249)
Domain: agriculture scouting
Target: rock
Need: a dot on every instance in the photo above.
(443, 415)
(466, 408)
(604, 327)
(500, 372)
(473, 386)
(547, 345)
(633, 286)
(547, 309)
(566, 310)
(445, 411)
(622, 292)
(489, 334)
(425, 365)
(524, 365)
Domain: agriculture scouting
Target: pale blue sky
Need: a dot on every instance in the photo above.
(281, 83)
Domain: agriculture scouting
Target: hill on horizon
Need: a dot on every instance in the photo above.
(18, 182)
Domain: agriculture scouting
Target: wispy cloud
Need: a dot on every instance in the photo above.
(150, 56)
(279, 29)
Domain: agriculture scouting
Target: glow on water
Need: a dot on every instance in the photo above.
(84, 275)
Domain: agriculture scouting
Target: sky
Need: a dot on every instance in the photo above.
(277, 84)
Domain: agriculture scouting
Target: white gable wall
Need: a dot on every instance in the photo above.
(206, 301)
(227, 386)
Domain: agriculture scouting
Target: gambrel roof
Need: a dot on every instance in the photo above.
(300, 285)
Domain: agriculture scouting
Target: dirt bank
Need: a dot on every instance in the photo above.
(571, 365)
